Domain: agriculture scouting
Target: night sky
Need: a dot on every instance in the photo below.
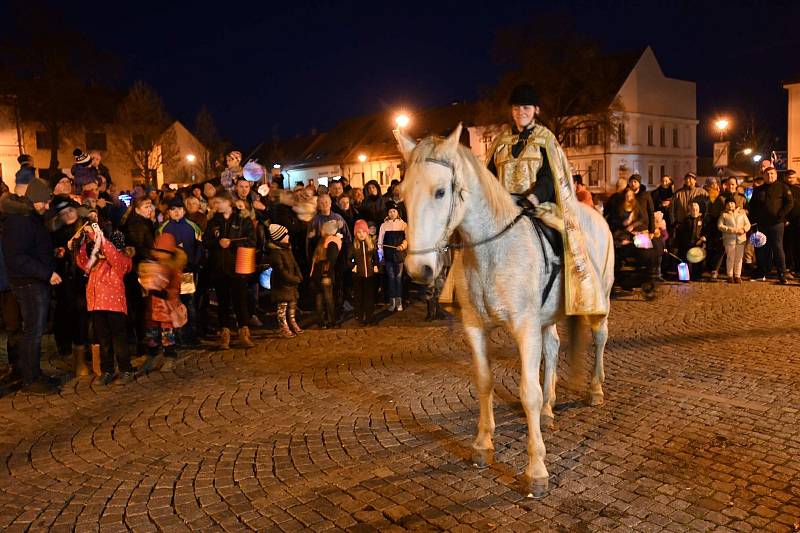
(292, 66)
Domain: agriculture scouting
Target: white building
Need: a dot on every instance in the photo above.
(793, 134)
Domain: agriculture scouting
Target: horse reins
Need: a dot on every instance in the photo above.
(446, 232)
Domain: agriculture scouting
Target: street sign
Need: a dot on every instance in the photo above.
(721, 154)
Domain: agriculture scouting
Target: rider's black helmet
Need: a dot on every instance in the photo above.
(523, 94)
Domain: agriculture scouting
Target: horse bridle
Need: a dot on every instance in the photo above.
(438, 248)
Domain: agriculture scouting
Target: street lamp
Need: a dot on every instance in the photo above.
(722, 125)
(191, 158)
(401, 121)
(363, 159)
(757, 158)
(747, 151)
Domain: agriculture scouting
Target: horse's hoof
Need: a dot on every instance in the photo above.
(482, 458)
(536, 488)
(547, 421)
(595, 398)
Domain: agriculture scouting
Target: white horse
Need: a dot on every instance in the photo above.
(503, 279)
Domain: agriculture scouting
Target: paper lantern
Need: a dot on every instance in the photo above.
(252, 171)
(642, 240)
(265, 278)
(245, 260)
(683, 272)
(758, 239)
(695, 255)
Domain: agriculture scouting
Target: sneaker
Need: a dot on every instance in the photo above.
(105, 378)
(40, 387)
(125, 378)
(714, 275)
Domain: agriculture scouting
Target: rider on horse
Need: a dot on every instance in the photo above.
(529, 162)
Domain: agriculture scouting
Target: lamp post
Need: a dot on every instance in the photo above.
(722, 126)
(363, 158)
(191, 158)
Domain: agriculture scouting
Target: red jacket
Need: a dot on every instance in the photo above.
(106, 289)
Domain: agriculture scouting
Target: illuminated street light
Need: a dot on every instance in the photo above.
(757, 158)
(191, 158)
(362, 157)
(722, 125)
(401, 120)
(747, 151)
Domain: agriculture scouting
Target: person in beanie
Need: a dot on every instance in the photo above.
(30, 265)
(286, 277)
(105, 263)
(161, 278)
(226, 232)
(71, 318)
(188, 237)
(391, 247)
(364, 258)
(83, 173)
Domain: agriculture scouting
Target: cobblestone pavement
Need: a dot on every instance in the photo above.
(368, 429)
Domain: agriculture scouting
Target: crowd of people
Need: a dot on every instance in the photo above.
(749, 229)
(137, 272)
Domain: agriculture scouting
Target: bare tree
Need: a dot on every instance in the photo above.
(149, 141)
(206, 131)
(576, 82)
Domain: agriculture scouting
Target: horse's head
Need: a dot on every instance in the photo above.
(431, 192)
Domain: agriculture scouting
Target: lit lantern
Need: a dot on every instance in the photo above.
(683, 272)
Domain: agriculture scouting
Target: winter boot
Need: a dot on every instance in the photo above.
(292, 320)
(225, 339)
(79, 358)
(244, 337)
(284, 326)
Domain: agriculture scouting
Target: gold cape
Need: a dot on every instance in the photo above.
(583, 292)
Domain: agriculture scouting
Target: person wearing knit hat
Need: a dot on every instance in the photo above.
(277, 232)
(25, 160)
(284, 281)
(30, 265)
(83, 173)
(363, 255)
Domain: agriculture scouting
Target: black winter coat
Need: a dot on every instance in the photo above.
(770, 204)
(286, 274)
(222, 261)
(27, 247)
(139, 233)
(363, 260)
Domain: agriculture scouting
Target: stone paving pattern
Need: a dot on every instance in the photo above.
(369, 429)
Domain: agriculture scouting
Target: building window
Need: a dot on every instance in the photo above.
(595, 173)
(43, 141)
(663, 135)
(649, 174)
(675, 138)
(621, 137)
(96, 141)
(650, 135)
(593, 135)
(663, 171)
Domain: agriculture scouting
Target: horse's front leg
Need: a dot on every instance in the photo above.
(529, 339)
(600, 336)
(550, 343)
(482, 447)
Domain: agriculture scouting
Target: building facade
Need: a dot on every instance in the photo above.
(29, 137)
(793, 133)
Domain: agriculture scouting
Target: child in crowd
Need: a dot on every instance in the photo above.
(364, 257)
(391, 247)
(161, 277)
(734, 225)
(323, 272)
(107, 265)
(689, 234)
(285, 279)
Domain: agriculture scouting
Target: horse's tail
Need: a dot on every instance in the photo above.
(576, 348)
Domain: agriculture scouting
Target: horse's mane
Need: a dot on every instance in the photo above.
(468, 169)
